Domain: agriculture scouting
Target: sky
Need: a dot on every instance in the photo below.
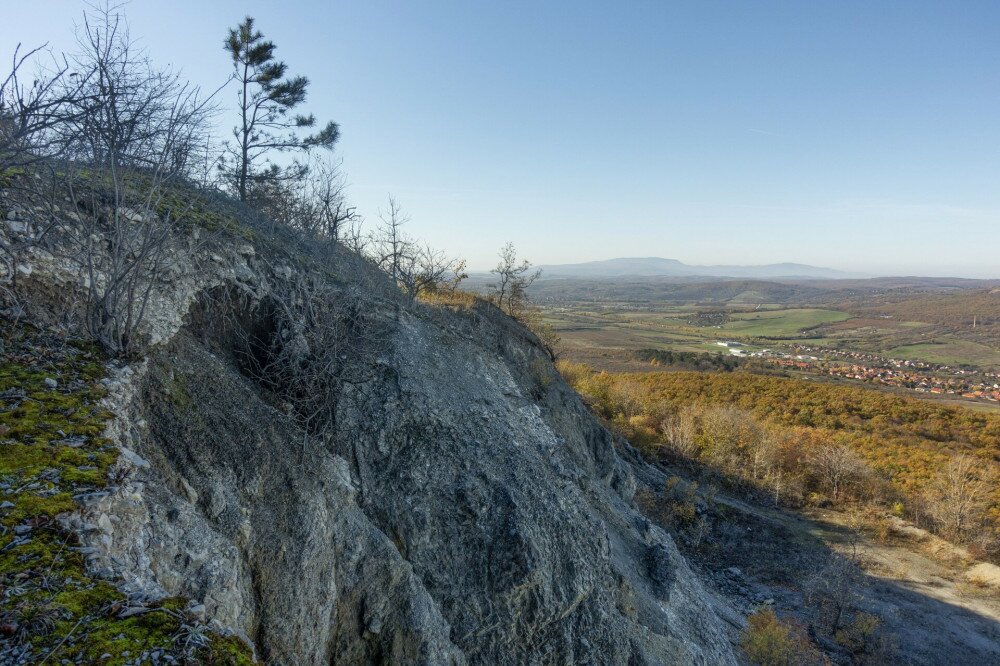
(863, 136)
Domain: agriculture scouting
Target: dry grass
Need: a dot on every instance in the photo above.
(456, 298)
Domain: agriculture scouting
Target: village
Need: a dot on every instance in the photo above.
(916, 376)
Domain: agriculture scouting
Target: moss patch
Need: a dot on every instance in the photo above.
(184, 207)
(51, 450)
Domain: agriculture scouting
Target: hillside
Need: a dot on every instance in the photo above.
(770, 475)
(550, 289)
(966, 309)
(860, 295)
(334, 473)
(657, 266)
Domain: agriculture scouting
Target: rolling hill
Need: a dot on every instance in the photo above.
(658, 266)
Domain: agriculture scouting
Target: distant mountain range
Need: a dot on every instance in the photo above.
(658, 266)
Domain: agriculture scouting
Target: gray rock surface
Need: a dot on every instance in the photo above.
(465, 508)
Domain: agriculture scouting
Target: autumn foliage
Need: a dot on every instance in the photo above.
(806, 441)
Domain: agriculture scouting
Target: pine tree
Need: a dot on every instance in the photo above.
(266, 101)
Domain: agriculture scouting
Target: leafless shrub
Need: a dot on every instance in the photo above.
(437, 272)
(416, 269)
(838, 468)
(354, 238)
(680, 431)
(29, 116)
(130, 114)
(834, 591)
(630, 397)
(326, 211)
(728, 434)
(959, 498)
(29, 112)
(316, 339)
(509, 292)
(314, 203)
(132, 133)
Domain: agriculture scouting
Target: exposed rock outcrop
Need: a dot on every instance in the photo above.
(465, 507)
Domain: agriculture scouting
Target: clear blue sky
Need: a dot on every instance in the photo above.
(858, 135)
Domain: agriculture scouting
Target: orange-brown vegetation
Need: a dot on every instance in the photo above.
(803, 441)
(771, 641)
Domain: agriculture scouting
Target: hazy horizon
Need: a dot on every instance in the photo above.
(847, 136)
(859, 274)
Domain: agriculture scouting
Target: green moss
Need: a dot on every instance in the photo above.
(121, 639)
(227, 651)
(8, 175)
(79, 598)
(184, 207)
(173, 603)
(176, 391)
(51, 448)
(28, 505)
(189, 210)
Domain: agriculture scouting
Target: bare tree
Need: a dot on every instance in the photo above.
(509, 292)
(728, 432)
(833, 592)
(326, 204)
(414, 268)
(29, 114)
(630, 398)
(762, 453)
(135, 127)
(681, 430)
(959, 497)
(837, 467)
(391, 249)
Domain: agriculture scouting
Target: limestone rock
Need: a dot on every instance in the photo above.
(465, 508)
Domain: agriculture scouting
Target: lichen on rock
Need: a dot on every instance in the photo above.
(53, 455)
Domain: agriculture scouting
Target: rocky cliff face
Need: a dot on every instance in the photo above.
(462, 506)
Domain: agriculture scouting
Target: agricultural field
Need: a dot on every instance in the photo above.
(680, 328)
(950, 351)
(886, 341)
(586, 328)
(789, 323)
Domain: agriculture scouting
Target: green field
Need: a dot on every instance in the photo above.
(596, 332)
(949, 352)
(590, 333)
(780, 323)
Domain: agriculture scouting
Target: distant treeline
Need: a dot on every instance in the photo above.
(702, 361)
